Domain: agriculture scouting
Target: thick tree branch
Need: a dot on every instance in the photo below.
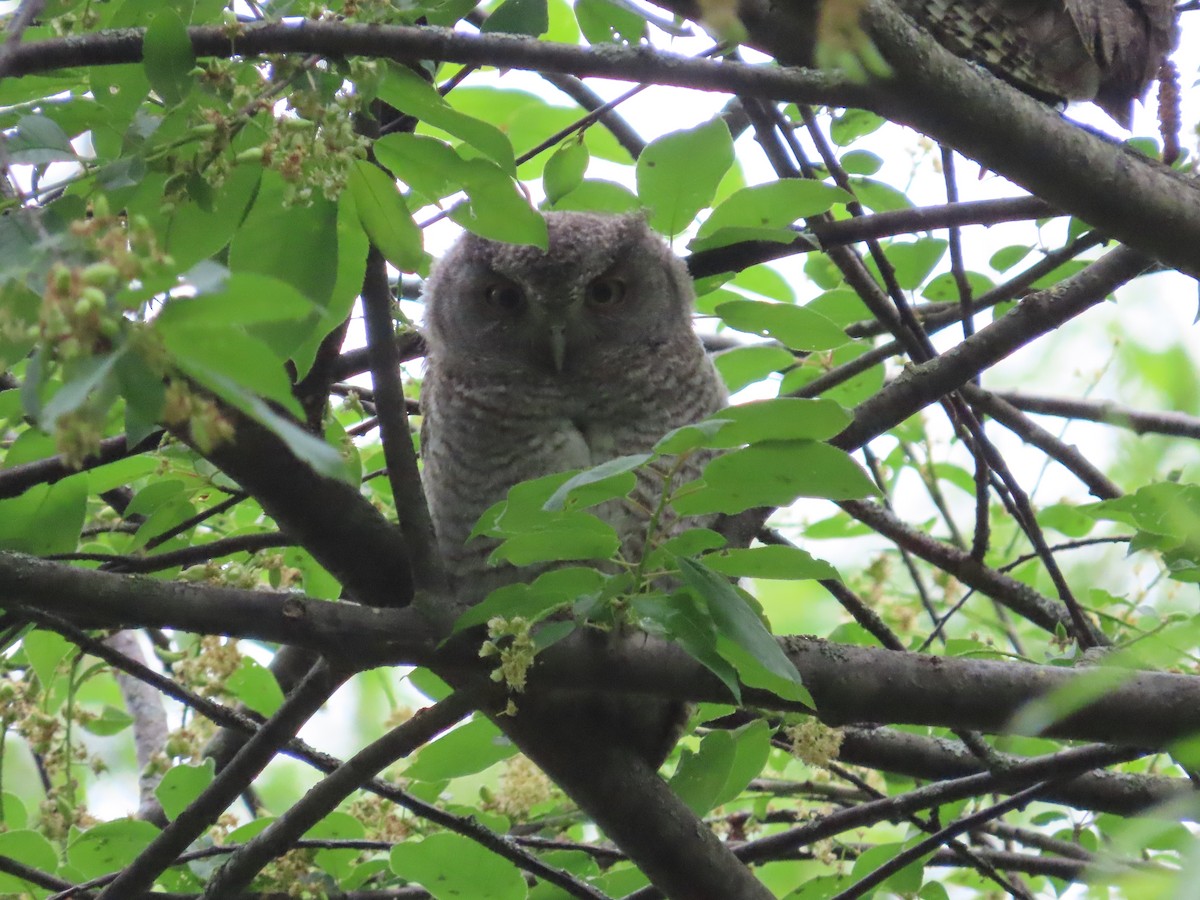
(938, 94)
(849, 684)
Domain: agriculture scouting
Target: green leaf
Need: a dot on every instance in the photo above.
(497, 209)
(428, 165)
(602, 22)
(781, 419)
(167, 56)
(565, 169)
(768, 208)
(746, 365)
(46, 519)
(607, 481)
(532, 601)
(678, 173)
(701, 776)
(528, 17)
(295, 244)
(913, 260)
(410, 93)
(39, 141)
(852, 124)
(794, 326)
(761, 663)
(576, 536)
(255, 685)
(194, 233)
(385, 217)
(21, 309)
(1007, 257)
(465, 750)
(752, 747)
(34, 851)
(772, 561)
(85, 377)
(775, 473)
(217, 355)
(943, 288)
(110, 721)
(182, 784)
(45, 650)
(599, 196)
(109, 846)
(685, 620)
(452, 867)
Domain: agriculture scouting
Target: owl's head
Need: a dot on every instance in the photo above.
(607, 286)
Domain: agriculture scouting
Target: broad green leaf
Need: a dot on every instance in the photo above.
(912, 261)
(1007, 257)
(943, 288)
(85, 377)
(768, 207)
(385, 216)
(775, 473)
(110, 721)
(752, 746)
(337, 862)
(565, 169)
(793, 326)
(548, 591)
(575, 536)
(781, 419)
(45, 650)
(606, 481)
(216, 354)
(244, 298)
(194, 233)
(860, 162)
(46, 519)
(772, 561)
(879, 196)
(167, 55)
(255, 685)
(906, 882)
(497, 210)
(684, 620)
(761, 663)
(852, 124)
(109, 846)
(182, 784)
(38, 141)
(594, 195)
(602, 22)
(746, 365)
(309, 448)
(701, 776)
(528, 17)
(452, 867)
(428, 165)
(464, 750)
(31, 849)
(678, 174)
(295, 244)
(410, 93)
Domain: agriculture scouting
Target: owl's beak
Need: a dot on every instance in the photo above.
(558, 345)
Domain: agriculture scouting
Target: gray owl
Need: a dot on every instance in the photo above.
(1103, 50)
(545, 361)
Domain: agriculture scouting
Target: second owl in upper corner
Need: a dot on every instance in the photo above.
(1103, 50)
(542, 361)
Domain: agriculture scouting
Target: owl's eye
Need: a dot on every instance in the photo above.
(505, 296)
(606, 292)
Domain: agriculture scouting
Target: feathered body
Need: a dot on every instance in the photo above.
(545, 361)
(1103, 50)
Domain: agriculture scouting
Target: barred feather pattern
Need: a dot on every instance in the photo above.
(499, 408)
(1103, 50)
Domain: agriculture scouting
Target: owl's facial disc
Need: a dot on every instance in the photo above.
(558, 345)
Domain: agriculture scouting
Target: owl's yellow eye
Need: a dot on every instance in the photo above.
(506, 296)
(606, 292)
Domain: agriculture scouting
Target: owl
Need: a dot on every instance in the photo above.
(1103, 50)
(542, 361)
